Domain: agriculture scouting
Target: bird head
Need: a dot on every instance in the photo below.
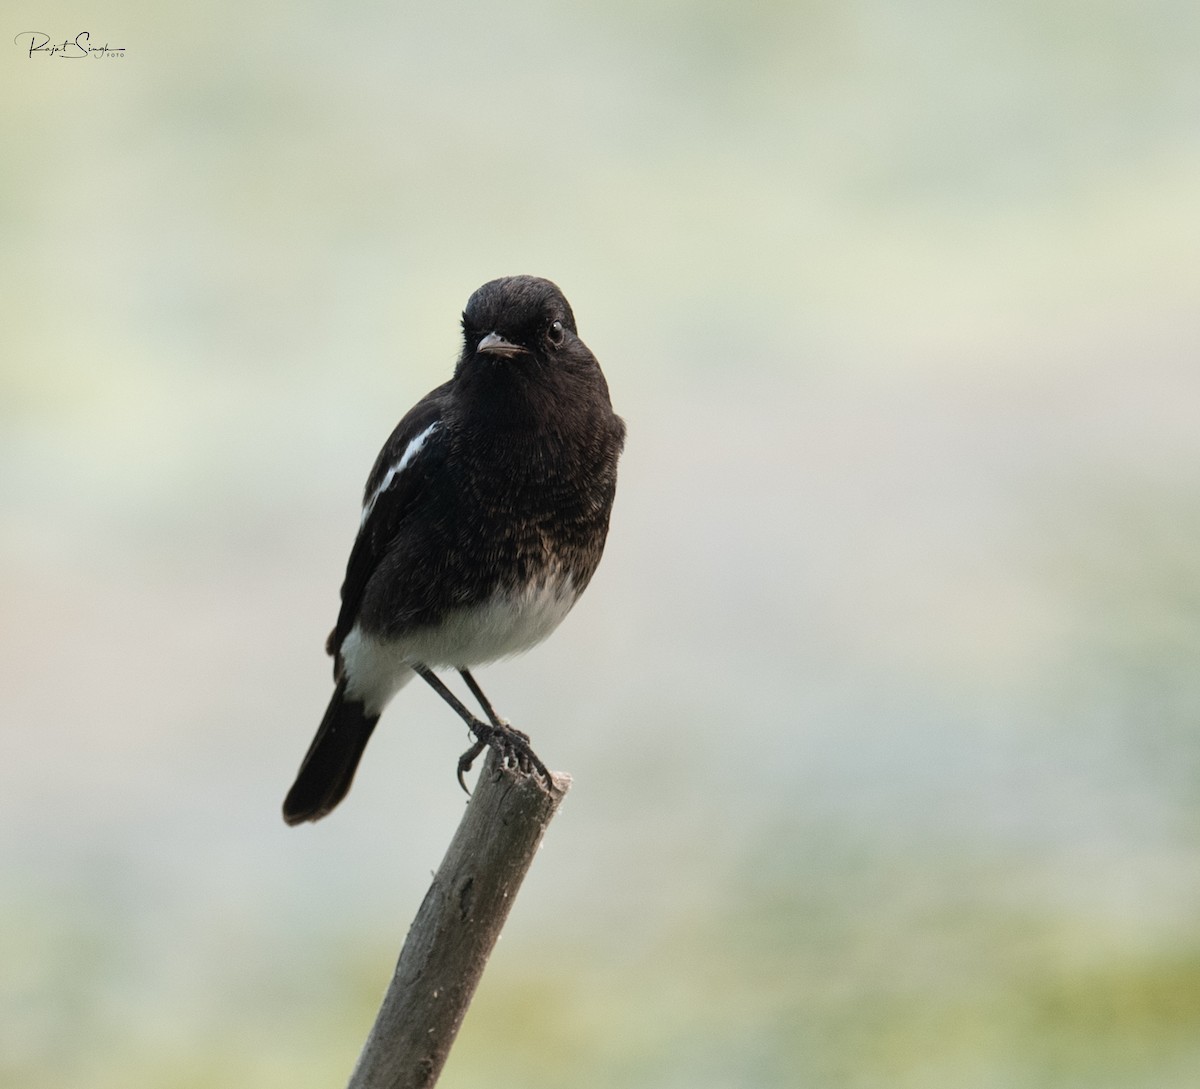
(518, 317)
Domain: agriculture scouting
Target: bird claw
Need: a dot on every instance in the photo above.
(465, 761)
(511, 745)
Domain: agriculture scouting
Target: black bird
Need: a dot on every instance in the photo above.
(483, 520)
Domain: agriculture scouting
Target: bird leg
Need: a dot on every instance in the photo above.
(512, 746)
(486, 704)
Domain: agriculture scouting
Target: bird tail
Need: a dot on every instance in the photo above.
(329, 765)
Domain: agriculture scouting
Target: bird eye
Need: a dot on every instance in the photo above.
(555, 333)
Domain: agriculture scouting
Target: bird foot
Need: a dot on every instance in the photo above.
(511, 745)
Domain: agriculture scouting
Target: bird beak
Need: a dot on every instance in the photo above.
(495, 344)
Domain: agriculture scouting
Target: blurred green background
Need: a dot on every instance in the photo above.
(883, 707)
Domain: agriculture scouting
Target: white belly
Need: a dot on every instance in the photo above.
(505, 624)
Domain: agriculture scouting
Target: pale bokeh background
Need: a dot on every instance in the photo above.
(883, 707)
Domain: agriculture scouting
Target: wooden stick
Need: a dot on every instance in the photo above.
(456, 927)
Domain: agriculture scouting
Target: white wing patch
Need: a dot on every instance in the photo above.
(410, 452)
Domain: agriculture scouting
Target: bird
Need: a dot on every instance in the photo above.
(483, 520)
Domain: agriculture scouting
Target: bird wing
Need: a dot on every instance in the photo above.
(398, 480)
